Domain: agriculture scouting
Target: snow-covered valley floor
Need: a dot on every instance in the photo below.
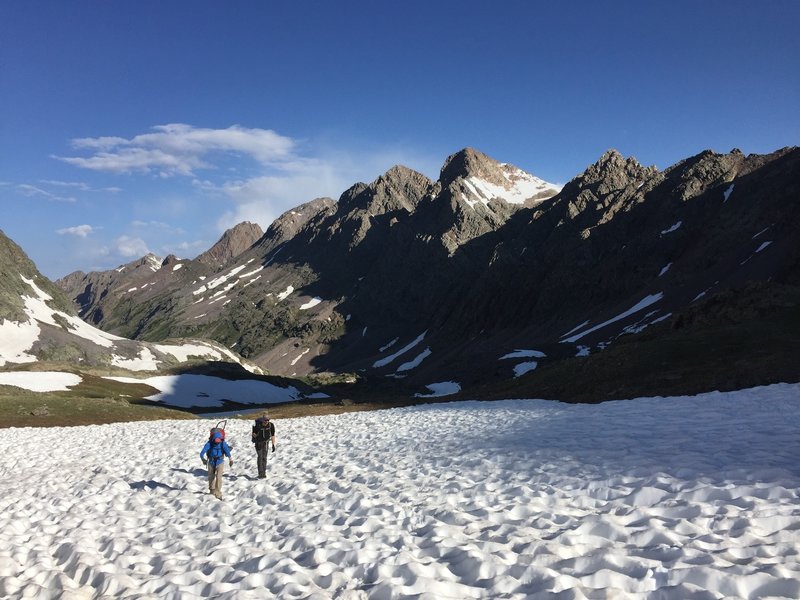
(691, 497)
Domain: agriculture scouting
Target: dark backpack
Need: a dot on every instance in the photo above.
(262, 431)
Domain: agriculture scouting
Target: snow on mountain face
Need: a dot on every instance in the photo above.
(476, 178)
(19, 338)
(517, 187)
(155, 262)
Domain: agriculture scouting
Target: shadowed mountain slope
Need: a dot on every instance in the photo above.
(488, 273)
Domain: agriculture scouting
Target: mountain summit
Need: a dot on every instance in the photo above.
(478, 179)
(232, 243)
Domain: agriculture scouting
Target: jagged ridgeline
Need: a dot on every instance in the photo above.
(481, 276)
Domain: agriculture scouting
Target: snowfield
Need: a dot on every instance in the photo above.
(687, 497)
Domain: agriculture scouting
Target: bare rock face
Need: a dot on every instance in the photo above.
(610, 180)
(612, 172)
(232, 243)
(468, 162)
(692, 176)
(400, 188)
(290, 223)
(394, 194)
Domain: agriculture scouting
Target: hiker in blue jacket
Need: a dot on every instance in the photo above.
(216, 449)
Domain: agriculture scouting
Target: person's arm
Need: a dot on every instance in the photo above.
(227, 450)
(205, 449)
(272, 431)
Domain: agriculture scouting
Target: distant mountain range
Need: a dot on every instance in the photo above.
(490, 277)
(38, 324)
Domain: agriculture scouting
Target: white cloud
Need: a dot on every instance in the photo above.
(262, 199)
(249, 174)
(129, 247)
(79, 231)
(179, 149)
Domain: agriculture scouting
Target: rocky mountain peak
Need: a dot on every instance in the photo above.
(466, 163)
(292, 221)
(474, 178)
(612, 158)
(612, 172)
(149, 260)
(171, 259)
(398, 188)
(349, 196)
(233, 242)
(706, 169)
(399, 175)
(613, 166)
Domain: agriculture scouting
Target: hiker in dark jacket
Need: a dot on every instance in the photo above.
(263, 432)
(216, 449)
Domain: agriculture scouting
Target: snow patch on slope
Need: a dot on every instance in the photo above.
(386, 360)
(40, 381)
(311, 303)
(518, 187)
(642, 304)
(37, 309)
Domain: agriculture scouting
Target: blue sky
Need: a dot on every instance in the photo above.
(128, 127)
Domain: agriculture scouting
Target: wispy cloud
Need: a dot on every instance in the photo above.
(130, 247)
(32, 191)
(185, 249)
(179, 149)
(81, 231)
(264, 198)
(81, 186)
(159, 226)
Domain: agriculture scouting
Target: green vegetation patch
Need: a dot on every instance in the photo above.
(31, 409)
(94, 401)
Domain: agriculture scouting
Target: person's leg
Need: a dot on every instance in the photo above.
(210, 478)
(261, 451)
(218, 483)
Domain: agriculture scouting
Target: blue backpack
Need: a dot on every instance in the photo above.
(216, 437)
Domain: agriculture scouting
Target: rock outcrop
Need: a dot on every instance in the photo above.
(232, 243)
